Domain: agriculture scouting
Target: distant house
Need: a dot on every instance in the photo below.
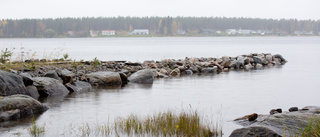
(140, 32)
(181, 32)
(108, 32)
(231, 31)
(94, 33)
(71, 33)
(244, 32)
(207, 31)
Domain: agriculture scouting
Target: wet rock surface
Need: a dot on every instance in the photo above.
(17, 106)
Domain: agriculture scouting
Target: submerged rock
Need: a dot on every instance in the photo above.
(11, 84)
(142, 76)
(17, 106)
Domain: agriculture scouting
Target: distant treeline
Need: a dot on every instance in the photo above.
(166, 26)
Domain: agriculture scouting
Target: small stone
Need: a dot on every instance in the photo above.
(292, 109)
(252, 117)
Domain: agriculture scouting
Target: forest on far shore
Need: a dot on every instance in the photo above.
(159, 26)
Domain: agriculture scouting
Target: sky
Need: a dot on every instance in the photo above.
(275, 9)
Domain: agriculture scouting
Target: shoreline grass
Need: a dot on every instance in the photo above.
(36, 130)
(160, 124)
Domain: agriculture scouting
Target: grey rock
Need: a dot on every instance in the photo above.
(175, 72)
(282, 60)
(106, 78)
(18, 106)
(194, 69)
(189, 72)
(259, 66)
(123, 77)
(66, 76)
(49, 87)
(11, 84)
(225, 58)
(254, 132)
(53, 74)
(79, 86)
(257, 60)
(142, 76)
(33, 91)
(27, 79)
(209, 70)
(248, 67)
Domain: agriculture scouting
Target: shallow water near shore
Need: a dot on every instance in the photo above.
(229, 94)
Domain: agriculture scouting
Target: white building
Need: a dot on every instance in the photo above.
(140, 32)
(231, 31)
(244, 32)
(108, 32)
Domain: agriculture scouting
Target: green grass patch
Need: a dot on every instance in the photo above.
(312, 129)
(36, 130)
(166, 124)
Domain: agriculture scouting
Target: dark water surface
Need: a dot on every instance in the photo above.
(230, 94)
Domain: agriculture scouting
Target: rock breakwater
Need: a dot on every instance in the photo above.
(46, 78)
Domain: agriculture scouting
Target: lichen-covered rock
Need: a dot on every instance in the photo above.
(142, 76)
(49, 87)
(17, 106)
(11, 84)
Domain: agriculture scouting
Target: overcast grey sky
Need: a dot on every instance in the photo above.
(276, 9)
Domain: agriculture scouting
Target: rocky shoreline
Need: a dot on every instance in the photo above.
(41, 78)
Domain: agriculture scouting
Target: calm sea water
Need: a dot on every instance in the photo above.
(229, 94)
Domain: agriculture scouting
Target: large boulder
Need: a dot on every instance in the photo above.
(107, 78)
(17, 106)
(66, 76)
(79, 86)
(254, 132)
(11, 84)
(49, 87)
(267, 125)
(27, 79)
(280, 58)
(142, 76)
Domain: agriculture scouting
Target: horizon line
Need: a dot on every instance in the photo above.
(160, 17)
